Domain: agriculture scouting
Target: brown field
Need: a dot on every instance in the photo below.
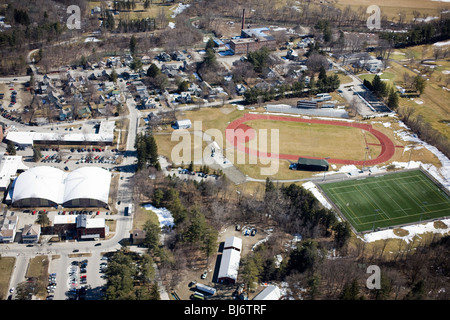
(391, 9)
(6, 269)
(315, 140)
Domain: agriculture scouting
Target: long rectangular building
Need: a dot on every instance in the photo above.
(104, 136)
(231, 257)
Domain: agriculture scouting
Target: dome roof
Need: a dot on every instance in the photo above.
(60, 187)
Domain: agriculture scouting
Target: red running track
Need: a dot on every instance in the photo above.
(238, 133)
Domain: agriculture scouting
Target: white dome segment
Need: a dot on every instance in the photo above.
(87, 183)
(48, 186)
(40, 183)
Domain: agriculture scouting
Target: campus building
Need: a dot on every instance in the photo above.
(252, 40)
(50, 187)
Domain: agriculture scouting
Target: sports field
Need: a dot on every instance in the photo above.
(388, 200)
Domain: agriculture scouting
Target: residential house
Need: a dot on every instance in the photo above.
(8, 229)
(184, 97)
(178, 56)
(31, 233)
(240, 89)
(137, 237)
(163, 56)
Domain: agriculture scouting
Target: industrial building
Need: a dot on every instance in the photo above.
(252, 40)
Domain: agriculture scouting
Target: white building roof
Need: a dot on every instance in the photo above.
(184, 122)
(105, 134)
(21, 138)
(8, 168)
(58, 186)
(269, 293)
(87, 183)
(234, 242)
(40, 182)
(229, 265)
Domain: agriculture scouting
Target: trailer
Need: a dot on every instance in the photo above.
(205, 289)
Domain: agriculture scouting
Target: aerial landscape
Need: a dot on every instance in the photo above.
(225, 150)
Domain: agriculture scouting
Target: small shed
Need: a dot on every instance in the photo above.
(271, 292)
(182, 124)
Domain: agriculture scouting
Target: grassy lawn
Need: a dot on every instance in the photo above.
(38, 268)
(389, 200)
(142, 216)
(6, 269)
(433, 104)
(316, 140)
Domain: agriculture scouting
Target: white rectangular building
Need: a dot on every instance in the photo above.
(270, 293)
(229, 266)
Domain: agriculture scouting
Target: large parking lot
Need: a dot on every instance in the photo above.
(78, 276)
(72, 158)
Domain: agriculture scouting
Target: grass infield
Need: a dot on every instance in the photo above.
(388, 200)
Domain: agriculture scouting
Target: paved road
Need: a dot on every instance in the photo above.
(61, 265)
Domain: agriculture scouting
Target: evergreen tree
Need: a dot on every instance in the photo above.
(350, 291)
(133, 45)
(113, 76)
(392, 102)
(147, 150)
(209, 59)
(11, 148)
(36, 154)
(419, 84)
(209, 44)
(152, 235)
(153, 71)
(379, 87)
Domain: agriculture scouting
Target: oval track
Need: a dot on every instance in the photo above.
(237, 134)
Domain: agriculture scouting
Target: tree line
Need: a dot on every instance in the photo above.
(420, 34)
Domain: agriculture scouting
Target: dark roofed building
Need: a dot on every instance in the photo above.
(308, 164)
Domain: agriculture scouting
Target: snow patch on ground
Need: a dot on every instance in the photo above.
(413, 231)
(179, 9)
(312, 187)
(164, 216)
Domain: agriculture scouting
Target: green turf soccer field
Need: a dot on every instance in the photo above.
(388, 200)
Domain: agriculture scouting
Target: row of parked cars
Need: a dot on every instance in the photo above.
(51, 159)
(77, 212)
(51, 286)
(98, 159)
(246, 231)
(5, 114)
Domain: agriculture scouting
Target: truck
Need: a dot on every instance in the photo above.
(128, 210)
